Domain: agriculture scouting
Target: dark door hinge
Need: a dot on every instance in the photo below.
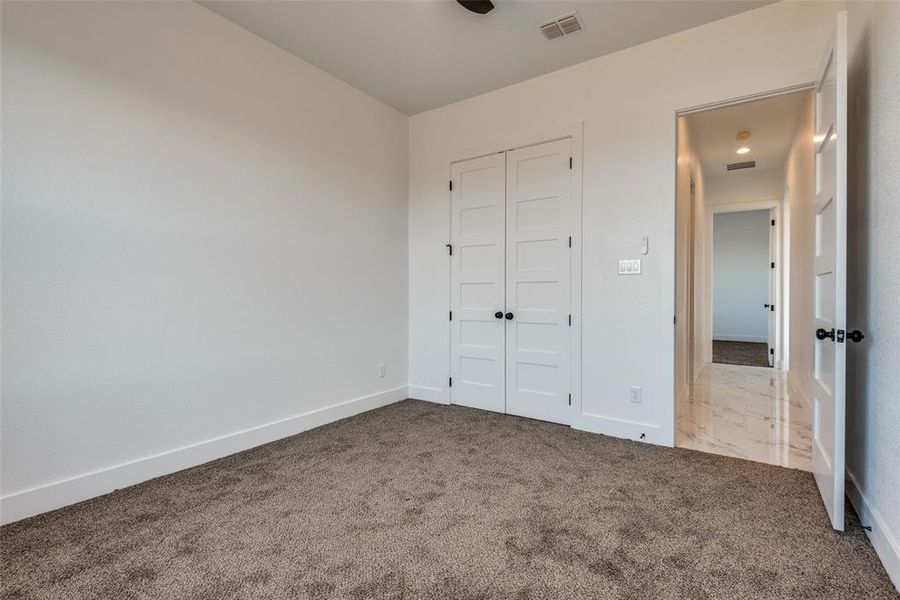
(451, 382)
(773, 222)
(773, 265)
(772, 351)
(570, 241)
(570, 320)
(570, 162)
(674, 320)
(840, 336)
(451, 185)
(570, 399)
(451, 315)
(449, 248)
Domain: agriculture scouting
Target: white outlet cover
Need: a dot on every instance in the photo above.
(636, 394)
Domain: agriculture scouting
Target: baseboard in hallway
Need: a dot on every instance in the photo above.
(41, 499)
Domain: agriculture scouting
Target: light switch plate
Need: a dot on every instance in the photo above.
(629, 266)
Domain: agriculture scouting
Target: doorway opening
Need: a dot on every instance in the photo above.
(736, 167)
(744, 281)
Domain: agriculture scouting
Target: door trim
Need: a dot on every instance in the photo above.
(574, 131)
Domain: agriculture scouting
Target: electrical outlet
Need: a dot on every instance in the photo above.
(382, 371)
(636, 394)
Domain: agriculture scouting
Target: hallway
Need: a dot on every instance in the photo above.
(746, 412)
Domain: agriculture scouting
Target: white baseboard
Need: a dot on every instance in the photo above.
(623, 428)
(886, 546)
(37, 500)
(429, 394)
(727, 337)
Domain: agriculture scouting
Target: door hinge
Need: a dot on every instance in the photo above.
(451, 315)
(773, 222)
(570, 163)
(840, 336)
(451, 185)
(570, 320)
(773, 265)
(570, 399)
(451, 382)
(772, 351)
(570, 241)
(674, 320)
(449, 248)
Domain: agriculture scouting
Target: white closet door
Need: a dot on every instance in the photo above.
(477, 282)
(538, 273)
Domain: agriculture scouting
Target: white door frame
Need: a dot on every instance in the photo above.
(576, 132)
(709, 217)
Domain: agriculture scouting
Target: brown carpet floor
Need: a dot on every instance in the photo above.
(751, 354)
(416, 500)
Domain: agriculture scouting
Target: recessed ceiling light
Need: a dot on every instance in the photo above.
(743, 150)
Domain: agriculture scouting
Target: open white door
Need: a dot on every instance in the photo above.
(830, 287)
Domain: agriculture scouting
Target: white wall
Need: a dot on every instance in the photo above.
(741, 276)
(745, 186)
(689, 276)
(202, 234)
(873, 393)
(627, 102)
(799, 179)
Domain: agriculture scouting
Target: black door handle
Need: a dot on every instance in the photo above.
(509, 316)
(765, 306)
(498, 314)
(821, 334)
(855, 336)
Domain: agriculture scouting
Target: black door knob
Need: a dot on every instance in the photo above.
(765, 306)
(498, 314)
(821, 334)
(855, 336)
(509, 316)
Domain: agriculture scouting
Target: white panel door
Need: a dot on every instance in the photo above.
(830, 285)
(538, 274)
(477, 282)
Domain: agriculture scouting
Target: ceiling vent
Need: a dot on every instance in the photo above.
(560, 26)
(749, 164)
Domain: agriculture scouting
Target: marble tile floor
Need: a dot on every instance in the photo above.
(746, 412)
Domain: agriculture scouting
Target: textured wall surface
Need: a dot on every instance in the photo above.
(873, 394)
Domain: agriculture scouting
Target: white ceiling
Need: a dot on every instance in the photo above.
(772, 123)
(420, 54)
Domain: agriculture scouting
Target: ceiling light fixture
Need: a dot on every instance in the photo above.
(743, 150)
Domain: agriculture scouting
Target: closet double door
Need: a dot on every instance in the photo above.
(510, 281)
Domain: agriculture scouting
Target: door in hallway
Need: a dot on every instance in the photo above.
(830, 283)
